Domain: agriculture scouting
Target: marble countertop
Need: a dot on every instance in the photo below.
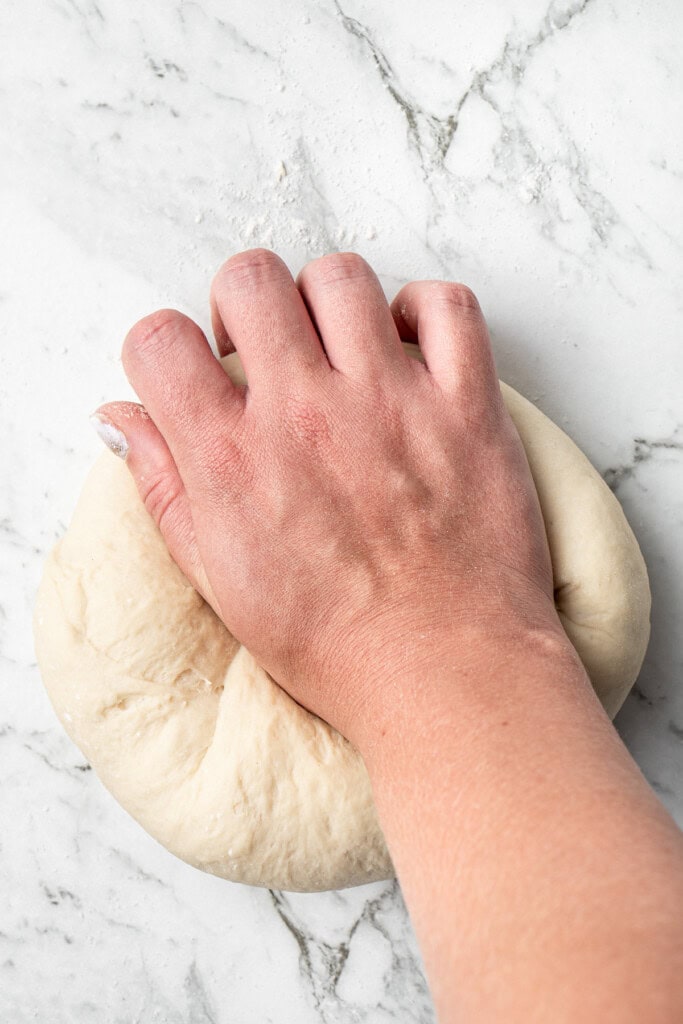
(531, 150)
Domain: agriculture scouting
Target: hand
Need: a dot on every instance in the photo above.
(352, 511)
(367, 526)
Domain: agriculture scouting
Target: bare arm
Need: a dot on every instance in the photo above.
(368, 527)
(543, 878)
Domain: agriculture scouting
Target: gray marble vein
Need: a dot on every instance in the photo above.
(643, 451)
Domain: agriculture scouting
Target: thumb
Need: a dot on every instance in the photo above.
(128, 431)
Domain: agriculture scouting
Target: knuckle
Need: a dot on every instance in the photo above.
(249, 269)
(306, 423)
(152, 335)
(161, 496)
(337, 268)
(223, 458)
(458, 297)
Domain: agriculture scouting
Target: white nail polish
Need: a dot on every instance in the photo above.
(114, 438)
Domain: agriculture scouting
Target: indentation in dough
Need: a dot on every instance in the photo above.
(561, 592)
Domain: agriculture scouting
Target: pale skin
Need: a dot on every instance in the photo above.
(367, 526)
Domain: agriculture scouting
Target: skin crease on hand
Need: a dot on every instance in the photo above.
(366, 525)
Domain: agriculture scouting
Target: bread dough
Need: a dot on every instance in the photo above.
(199, 744)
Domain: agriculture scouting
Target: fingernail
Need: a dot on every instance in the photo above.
(114, 438)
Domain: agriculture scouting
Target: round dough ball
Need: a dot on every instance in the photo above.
(199, 744)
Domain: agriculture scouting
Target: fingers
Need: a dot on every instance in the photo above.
(258, 310)
(446, 321)
(128, 431)
(182, 385)
(347, 304)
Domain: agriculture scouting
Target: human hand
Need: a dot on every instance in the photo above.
(351, 511)
(368, 527)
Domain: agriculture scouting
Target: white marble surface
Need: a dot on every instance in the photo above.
(531, 150)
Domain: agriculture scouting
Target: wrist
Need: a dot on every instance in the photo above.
(463, 681)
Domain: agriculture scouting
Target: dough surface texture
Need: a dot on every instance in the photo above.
(199, 744)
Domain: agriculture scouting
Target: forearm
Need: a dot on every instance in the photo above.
(518, 823)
